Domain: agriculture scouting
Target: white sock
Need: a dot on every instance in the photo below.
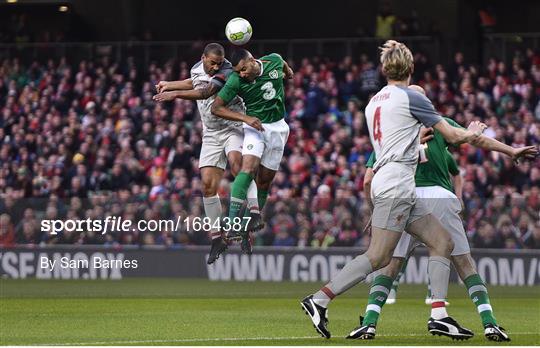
(213, 210)
(323, 296)
(322, 302)
(438, 312)
(392, 294)
(252, 202)
(321, 299)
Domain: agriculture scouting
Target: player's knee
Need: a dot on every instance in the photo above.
(464, 265)
(235, 168)
(392, 269)
(208, 188)
(446, 245)
(247, 168)
(385, 260)
(379, 260)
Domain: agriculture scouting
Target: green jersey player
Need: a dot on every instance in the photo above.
(259, 82)
(221, 139)
(433, 182)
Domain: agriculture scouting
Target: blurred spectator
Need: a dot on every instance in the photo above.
(532, 238)
(385, 21)
(7, 232)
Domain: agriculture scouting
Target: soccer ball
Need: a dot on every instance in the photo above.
(238, 31)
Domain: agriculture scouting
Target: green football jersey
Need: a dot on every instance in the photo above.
(264, 97)
(439, 165)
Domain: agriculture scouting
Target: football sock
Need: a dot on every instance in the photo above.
(395, 283)
(238, 193)
(354, 272)
(478, 293)
(212, 209)
(439, 274)
(262, 195)
(438, 310)
(323, 297)
(252, 201)
(380, 288)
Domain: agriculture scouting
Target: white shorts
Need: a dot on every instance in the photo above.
(394, 199)
(267, 145)
(445, 206)
(216, 145)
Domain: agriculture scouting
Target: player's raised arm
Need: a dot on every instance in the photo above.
(516, 153)
(457, 136)
(164, 86)
(224, 97)
(289, 74)
(481, 141)
(191, 94)
(422, 109)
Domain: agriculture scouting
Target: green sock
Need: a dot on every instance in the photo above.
(239, 193)
(262, 195)
(377, 297)
(479, 295)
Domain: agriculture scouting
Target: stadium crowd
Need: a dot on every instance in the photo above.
(85, 140)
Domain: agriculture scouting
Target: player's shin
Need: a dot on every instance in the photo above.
(439, 274)
(253, 212)
(479, 295)
(354, 272)
(378, 293)
(252, 201)
(239, 193)
(212, 209)
(395, 284)
(262, 195)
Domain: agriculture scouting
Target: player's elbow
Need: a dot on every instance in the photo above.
(290, 74)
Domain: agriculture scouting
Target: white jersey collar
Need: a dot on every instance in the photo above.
(261, 65)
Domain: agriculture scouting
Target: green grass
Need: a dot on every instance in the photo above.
(197, 312)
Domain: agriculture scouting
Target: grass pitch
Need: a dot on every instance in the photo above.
(198, 312)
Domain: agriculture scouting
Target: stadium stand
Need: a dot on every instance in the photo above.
(83, 139)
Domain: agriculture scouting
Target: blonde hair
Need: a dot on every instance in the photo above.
(397, 60)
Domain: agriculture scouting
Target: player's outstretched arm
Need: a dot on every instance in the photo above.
(220, 110)
(516, 153)
(456, 135)
(191, 94)
(164, 86)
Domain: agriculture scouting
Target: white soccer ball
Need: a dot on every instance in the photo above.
(238, 31)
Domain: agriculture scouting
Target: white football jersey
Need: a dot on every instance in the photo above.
(394, 117)
(201, 79)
